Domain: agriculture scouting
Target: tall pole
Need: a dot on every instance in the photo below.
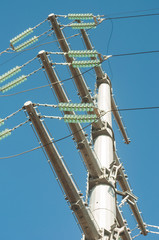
(102, 195)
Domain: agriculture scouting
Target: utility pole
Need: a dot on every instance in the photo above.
(102, 219)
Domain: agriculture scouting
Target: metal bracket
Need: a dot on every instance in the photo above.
(105, 234)
(103, 179)
(114, 171)
(75, 206)
(85, 99)
(80, 145)
(104, 79)
(83, 237)
(105, 130)
(115, 232)
(127, 197)
(108, 177)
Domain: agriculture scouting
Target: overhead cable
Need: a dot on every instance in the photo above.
(132, 16)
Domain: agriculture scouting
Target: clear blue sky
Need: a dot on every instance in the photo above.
(31, 203)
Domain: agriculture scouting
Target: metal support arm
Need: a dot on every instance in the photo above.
(83, 214)
(125, 234)
(100, 75)
(126, 188)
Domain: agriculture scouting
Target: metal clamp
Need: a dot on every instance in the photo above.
(127, 197)
(103, 179)
(105, 130)
(114, 171)
(80, 145)
(116, 232)
(104, 79)
(75, 206)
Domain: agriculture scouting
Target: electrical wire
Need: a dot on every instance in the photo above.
(137, 11)
(134, 109)
(40, 23)
(19, 125)
(153, 232)
(5, 51)
(153, 226)
(13, 114)
(132, 16)
(134, 53)
(108, 44)
(136, 235)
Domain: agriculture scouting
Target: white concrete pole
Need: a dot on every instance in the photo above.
(102, 196)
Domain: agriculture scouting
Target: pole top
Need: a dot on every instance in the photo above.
(51, 15)
(27, 103)
(41, 52)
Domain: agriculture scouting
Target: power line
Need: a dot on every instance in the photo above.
(132, 16)
(137, 108)
(137, 11)
(134, 53)
(108, 44)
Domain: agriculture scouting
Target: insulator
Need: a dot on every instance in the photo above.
(5, 133)
(90, 63)
(1, 121)
(80, 16)
(10, 73)
(13, 83)
(76, 107)
(80, 118)
(83, 25)
(85, 53)
(21, 36)
(26, 43)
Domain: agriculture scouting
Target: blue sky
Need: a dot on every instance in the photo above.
(32, 205)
